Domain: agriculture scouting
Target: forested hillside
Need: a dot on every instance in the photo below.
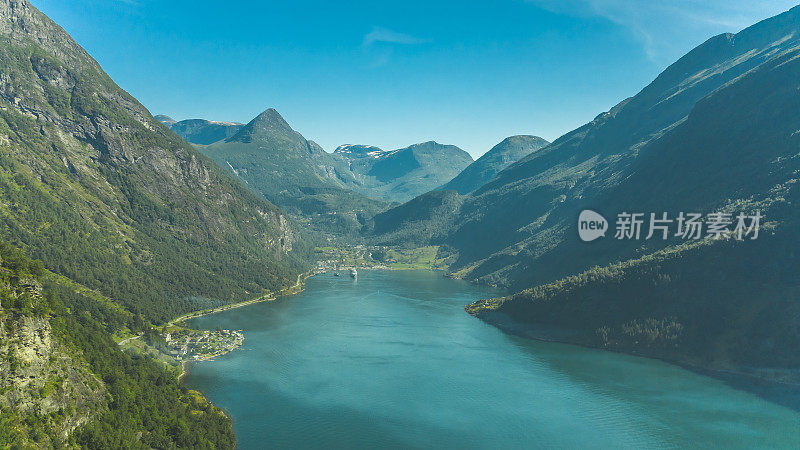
(723, 304)
(101, 192)
(65, 381)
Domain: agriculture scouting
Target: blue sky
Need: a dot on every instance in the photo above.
(391, 74)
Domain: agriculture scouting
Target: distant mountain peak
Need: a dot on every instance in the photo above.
(268, 124)
(502, 155)
(359, 151)
(521, 137)
(427, 144)
(430, 145)
(402, 174)
(223, 122)
(269, 118)
(201, 131)
(166, 120)
(269, 115)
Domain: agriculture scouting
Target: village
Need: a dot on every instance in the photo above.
(185, 344)
(376, 257)
(173, 345)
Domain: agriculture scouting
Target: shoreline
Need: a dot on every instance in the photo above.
(297, 288)
(268, 297)
(184, 371)
(783, 393)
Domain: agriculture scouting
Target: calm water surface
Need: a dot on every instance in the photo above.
(392, 360)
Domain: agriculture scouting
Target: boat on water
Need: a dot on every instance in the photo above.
(336, 274)
(353, 272)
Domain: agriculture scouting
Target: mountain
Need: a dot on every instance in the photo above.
(548, 188)
(417, 222)
(129, 225)
(509, 151)
(94, 186)
(201, 131)
(716, 131)
(166, 120)
(278, 163)
(597, 165)
(356, 151)
(336, 194)
(400, 175)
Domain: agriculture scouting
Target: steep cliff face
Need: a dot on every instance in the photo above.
(39, 376)
(286, 235)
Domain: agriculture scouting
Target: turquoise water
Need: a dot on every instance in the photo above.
(392, 360)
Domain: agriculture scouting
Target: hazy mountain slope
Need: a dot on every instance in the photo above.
(294, 173)
(201, 131)
(728, 304)
(518, 230)
(614, 165)
(400, 175)
(507, 152)
(94, 186)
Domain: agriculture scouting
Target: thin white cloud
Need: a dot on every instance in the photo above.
(379, 45)
(668, 28)
(384, 35)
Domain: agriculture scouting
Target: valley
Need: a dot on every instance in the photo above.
(132, 246)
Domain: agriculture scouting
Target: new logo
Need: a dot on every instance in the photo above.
(591, 225)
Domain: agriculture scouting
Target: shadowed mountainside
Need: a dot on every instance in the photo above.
(716, 131)
(502, 155)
